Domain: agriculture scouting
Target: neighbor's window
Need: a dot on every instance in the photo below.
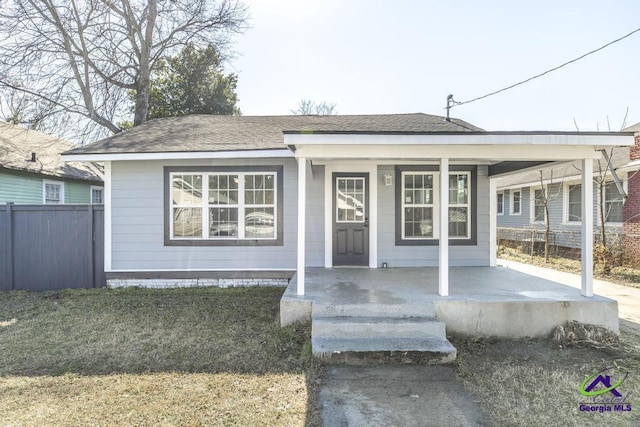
(516, 200)
(500, 202)
(613, 202)
(574, 203)
(417, 205)
(97, 195)
(538, 205)
(223, 205)
(53, 192)
(459, 205)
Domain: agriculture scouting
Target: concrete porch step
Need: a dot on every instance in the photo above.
(377, 327)
(375, 351)
(374, 310)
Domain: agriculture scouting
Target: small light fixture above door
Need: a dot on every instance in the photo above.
(388, 180)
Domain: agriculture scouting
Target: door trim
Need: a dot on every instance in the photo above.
(347, 167)
(353, 260)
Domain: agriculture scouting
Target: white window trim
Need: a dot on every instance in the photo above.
(511, 194)
(97, 188)
(532, 204)
(240, 205)
(565, 202)
(436, 203)
(623, 178)
(500, 212)
(44, 191)
(467, 205)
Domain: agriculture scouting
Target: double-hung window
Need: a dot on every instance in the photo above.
(52, 192)
(613, 203)
(459, 205)
(539, 196)
(224, 205)
(500, 203)
(97, 195)
(418, 205)
(418, 201)
(574, 202)
(516, 202)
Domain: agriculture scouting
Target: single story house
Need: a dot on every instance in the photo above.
(199, 200)
(31, 171)
(521, 197)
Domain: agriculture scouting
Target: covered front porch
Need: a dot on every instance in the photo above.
(483, 301)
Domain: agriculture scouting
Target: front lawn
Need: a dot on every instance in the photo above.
(173, 357)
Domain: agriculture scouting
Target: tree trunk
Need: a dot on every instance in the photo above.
(547, 232)
(606, 268)
(144, 76)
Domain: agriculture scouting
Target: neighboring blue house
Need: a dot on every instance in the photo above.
(520, 207)
(31, 171)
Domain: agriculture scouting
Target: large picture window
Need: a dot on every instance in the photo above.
(417, 201)
(222, 205)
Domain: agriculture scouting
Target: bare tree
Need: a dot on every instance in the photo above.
(544, 197)
(85, 56)
(307, 107)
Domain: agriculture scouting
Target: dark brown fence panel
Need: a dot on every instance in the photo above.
(52, 247)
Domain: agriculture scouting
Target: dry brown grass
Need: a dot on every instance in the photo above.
(154, 399)
(622, 275)
(536, 383)
(201, 356)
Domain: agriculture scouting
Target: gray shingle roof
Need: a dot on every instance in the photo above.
(633, 128)
(225, 133)
(558, 171)
(17, 144)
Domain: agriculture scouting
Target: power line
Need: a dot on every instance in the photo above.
(456, 103)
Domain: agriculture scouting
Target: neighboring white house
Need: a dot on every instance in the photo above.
(241, 197)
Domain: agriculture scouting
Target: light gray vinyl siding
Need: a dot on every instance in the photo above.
(567, 234)
(138, 223)
(422, 256)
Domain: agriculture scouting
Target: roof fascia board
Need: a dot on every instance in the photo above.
(468, 138)
(453, 152)
(241, 154)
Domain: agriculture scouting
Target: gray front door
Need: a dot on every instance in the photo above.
(350, 219)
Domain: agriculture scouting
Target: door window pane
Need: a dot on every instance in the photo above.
(350, 199)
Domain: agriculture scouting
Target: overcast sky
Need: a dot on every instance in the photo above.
(406, 56)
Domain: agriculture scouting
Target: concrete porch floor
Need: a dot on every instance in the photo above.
(483, 301)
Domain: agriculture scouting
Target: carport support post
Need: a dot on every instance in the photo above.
(587, 227)
(302, 200)
(443, 268)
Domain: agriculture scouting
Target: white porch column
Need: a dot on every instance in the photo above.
(587, 227)
(443, 268)
(493, 223)
(302, 201)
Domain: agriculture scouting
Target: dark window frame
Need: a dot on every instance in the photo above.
(277, 169)
(471, 241)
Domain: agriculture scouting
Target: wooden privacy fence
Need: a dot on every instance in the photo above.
(50, 247)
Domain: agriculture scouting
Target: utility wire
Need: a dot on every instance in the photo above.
(456, 103)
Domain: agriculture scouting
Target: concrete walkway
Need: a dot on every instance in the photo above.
(628, 298)
(397, 396)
